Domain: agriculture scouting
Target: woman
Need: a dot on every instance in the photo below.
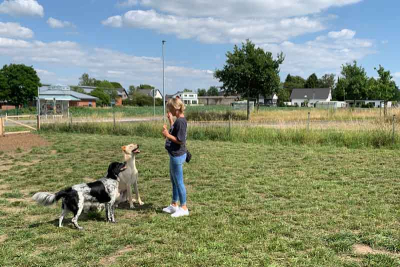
(176, 146)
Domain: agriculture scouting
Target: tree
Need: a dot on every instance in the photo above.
(201, 92)
(327, 81)
(292, 82)
(116, 85)
(312, 81)
(145, 86)
(85, 80)
(212, 91)
(132, 89)
(20, 84)
(250, 71)
(284, 95)
(104, 98)
(353, 83)
(187, 90)
(108, 88)
(386, 86)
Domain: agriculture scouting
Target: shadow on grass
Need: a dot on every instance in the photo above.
(137, 207)
(85, 217)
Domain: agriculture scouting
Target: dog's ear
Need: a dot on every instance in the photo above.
(111, 170)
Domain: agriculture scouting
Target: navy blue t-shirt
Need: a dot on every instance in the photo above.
(178, 130)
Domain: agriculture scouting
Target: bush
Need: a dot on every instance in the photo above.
(141, 100)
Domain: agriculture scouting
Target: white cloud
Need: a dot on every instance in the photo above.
(239, 9)
(321, 55)
(215, 30)
(102, 64)
(12, 43)
(10, 29)
(41, 72)
(55, 23)
(343, 34)
(128, 3)
(115, 21)
(396, 74)
(22, 8)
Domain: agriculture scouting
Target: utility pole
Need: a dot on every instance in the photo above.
(163, 80)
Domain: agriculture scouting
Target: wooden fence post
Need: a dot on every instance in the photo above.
(38, 123)
(1, 126)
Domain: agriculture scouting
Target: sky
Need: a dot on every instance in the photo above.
(121, 40)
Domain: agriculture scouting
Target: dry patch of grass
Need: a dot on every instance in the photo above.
(107, 261)
(362, 249)
(3, 238)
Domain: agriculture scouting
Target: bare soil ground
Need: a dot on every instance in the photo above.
(22, 141)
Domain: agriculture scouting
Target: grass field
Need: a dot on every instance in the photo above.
(268, 205)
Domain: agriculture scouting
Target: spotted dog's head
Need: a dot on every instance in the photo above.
(131, 149)
(114, 169)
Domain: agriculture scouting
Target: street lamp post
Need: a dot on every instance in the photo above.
(163, 80)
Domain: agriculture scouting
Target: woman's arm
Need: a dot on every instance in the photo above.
(170, 136)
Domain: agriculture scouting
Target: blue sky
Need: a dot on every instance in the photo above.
(121, 40)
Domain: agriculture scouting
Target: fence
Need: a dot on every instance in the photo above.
(15, 120)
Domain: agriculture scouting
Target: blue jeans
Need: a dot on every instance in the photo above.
(176, 174)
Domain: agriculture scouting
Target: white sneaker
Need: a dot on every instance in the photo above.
(180, 212)
(170, 209)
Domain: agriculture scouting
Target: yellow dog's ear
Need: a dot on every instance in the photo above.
(123, 147)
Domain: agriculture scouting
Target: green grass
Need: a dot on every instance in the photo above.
(133, 111)
(375, 138)
(251, 204)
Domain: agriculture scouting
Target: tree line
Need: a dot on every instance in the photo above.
(252, 72)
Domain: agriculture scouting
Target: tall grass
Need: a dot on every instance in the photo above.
(376, 138)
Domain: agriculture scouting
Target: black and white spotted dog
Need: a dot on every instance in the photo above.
(75, 198)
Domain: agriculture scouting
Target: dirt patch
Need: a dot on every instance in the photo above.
(22, 141)
(28, 163)
(361, 249)
(111, 259)
(3, 238)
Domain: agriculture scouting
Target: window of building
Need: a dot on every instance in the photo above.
(194, 102)
(190, 95)
(186, 101)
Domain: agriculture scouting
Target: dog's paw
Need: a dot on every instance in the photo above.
(131, 206)
(141, 203)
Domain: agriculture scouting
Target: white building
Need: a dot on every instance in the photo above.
(270, 100)
(308, 97)
(188, 98)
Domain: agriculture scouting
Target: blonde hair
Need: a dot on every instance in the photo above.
(175, 103)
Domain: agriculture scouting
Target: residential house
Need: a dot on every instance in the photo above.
(56, 99)
(122, 93)
(270, 100)
(308, 97)
(188, 98)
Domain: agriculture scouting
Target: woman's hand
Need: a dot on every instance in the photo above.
(169, 116)
(165, 131)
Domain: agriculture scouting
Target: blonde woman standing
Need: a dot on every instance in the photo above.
(176, 146)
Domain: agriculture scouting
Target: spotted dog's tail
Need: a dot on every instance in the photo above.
(47, 199)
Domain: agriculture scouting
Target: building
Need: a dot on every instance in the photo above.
(149, 92)
(188, 98)
(4, 105)
(56, 99)
(308, 97)
(330, 104)
(217, 100)
(271, 100)
(122, 93)
(369, 103)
